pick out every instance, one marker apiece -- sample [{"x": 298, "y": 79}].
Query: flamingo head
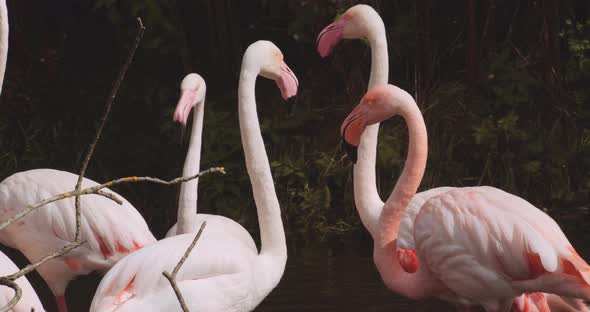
[
  {"x": 192, "y": 92},
  {"x": 356, "y": 23},
  {"x": 379, "y": 103},
  {"x": 268, "y": 59}
]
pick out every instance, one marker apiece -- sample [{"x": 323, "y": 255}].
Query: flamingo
[
  {"x": 29, "y": 300},
  {"x": 477, "y": 245},
  {"x": 362, "y": 21},
  {"x": 222, "y": 273},
  {"x": 193, "y": 90},
  {"x": 111, "y": 231}
]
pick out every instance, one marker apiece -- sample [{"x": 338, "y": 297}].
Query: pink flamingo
[
  {"x": 110, "y": 230},
  {"x": 222, "y": 273},
  {"x": 193, "y": 90},
  {"x": 29, "y": 300},
  {"x": 475, "y": 247},
  {"x": 362, "y": 21}
]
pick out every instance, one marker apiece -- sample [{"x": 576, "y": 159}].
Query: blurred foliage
[{"x": 509, "y": 129}]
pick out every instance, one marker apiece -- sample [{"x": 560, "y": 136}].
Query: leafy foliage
[{"x": 510, "y": 129}]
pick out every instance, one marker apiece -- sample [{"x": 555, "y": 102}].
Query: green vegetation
[{"x": 507, "y": 108}]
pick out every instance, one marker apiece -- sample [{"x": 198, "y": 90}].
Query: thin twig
[
  {"x": 9, "y": 280},
  {"x": 97, "y": 191},
  {"x": 18, "y": 292},
  {"x": 172, "y": 277},
  {"x": 64, "y": 250},
  {"x": 103, "y": 120}
]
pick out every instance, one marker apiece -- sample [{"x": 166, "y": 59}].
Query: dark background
[{"x": 503, "y": 86}]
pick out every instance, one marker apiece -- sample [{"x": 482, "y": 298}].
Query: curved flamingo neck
[
  {"x": 187, "y": 203},
  {"x": 366, "y": 195},
  {"x": 3, "y": 41},
  {"x": 419, "y": 284},
  {"x": 411, "y": 176},
  {"x": 272, "y": 234}
]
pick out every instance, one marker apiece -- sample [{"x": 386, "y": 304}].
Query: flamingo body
[
  {"x": 110, "y": 231},
  {"x": 490, "y": 246},
  {"x": 212, "y": 278},
  {"x": 29, "y": 299},
  {"x": 226, "y": 226}
]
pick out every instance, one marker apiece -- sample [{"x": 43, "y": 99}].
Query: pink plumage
[
  {"x": 110, "y": 230},
  {"x": 490, "y": 246}
]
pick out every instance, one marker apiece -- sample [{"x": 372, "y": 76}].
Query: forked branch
[{"x": 172, "y": 277}]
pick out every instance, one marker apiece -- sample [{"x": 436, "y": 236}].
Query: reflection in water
[{"x": 319, "y": 282}]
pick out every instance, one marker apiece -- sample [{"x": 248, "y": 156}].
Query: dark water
[{"x": 315, "y": 281}]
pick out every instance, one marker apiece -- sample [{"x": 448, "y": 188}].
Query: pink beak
[
  {"x": 330, "y": 36},
  {"x": 183, "y": 108},
  {"x": 352, "y": 129},
  {"x": 287, "y": 83}
]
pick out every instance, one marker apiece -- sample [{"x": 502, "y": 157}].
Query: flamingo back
[
  {"x": 483, "y": 243},
  {"x": 217, "y": 264},
  {"x": 110, "y": 230}
]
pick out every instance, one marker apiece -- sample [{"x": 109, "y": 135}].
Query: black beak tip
[{"x": 351, "y": 151}]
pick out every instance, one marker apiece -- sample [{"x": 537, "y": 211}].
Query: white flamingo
[
  {"x": 222, "y": 273},
  {"x": 193, "y": 90}
]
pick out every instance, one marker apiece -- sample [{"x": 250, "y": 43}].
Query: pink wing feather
[
  {"x": 485, "y": 244},
  {"x": 111, "y": 231}
]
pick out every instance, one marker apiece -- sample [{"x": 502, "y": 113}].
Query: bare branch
[
  {"x": 172, "y": 277},
  {"x": 97, "y": 191},
  {"x": 103, "y": 120},
  {"x": 64, "y": 250}
]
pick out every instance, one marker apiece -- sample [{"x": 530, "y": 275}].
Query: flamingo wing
[
  {"x": 215, "y": 264},
  {"x": 110, "y": 230},
  {"x": 405, "y": 247},
  {"x": 490, "y": 246}
]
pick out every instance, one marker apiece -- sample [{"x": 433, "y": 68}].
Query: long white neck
[
  {"x": 366, "y": 195},
  {"x": 187, "y": 203},
  {"x": 3, "y": 40},
  {"x": 272, "y": 234}
]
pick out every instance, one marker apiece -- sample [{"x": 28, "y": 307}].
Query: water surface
[{"x": 316, "y": 281}]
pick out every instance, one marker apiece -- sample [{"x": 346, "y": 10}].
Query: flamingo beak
[
  {"x": 330, "y": 36},
  {"x": 287, "y": 82},
  {"x": 352, "y": 129},
  {"x": 184, "y": 106}
]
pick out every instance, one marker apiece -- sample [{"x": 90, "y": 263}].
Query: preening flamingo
[
  {"x": 476, "y": 245},
  {"x": 222, "y": 273},
  {"x": 29, "y": 299},
  {"x": 110, "y": 230},
  {"x": 193, "y": 90},
  {"x": 362, "y": 21}
]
